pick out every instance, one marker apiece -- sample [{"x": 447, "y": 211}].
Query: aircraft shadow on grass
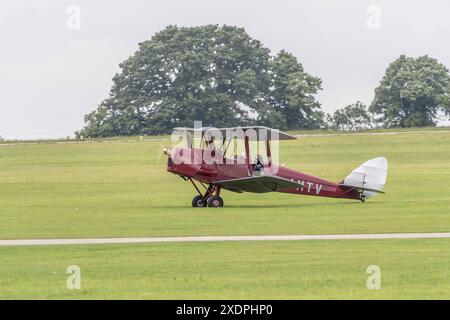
[{"x": 273, "y": 206}]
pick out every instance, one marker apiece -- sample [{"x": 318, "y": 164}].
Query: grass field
[
  {"x": 244, "y": 270},
  {"x": 120, "y": 188}
]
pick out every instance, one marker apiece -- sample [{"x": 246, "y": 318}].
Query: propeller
[{"x": 159, "y": 155}]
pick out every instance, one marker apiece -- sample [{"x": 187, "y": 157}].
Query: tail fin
[{"x": 370, "y": 177}]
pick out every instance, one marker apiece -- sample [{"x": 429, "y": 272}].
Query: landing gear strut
[{"x": 210, "y": 198}]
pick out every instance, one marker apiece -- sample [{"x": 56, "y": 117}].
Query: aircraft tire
[
  {"x": 197, "y": 201},
  {"x": 215, "y": 202}
]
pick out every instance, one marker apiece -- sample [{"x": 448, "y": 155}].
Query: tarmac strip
[{"x": 49, "y": 242}]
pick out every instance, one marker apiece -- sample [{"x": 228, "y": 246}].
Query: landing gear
[
  {"x": 198, "y": 202},
  {"x": 215, "y": 202},
  {"x": 210, "y": 198},
  {"x": 362, "y": 198}
]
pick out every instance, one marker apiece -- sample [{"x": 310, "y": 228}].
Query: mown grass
[
  {"x": 413, "y": 269},
  {"x": 121, "y": 188}
]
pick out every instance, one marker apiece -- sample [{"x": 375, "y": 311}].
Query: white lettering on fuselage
[
  {"x": 301, "y": 183},
  {"x": 318, "y": 188}
]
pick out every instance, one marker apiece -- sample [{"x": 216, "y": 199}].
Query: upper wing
[
  {"x": 260, "y": 133},
  {"x": 257, "y": 184}
]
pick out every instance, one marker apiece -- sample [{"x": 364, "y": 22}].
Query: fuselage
[{"x": 192, "y": 163}]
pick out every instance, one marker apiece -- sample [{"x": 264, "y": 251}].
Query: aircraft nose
[{"x": 181, "y": 162}]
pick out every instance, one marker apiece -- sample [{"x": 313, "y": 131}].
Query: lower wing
[{"x": 258, "y": 184}]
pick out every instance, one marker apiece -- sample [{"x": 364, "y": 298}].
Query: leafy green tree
[
  {"x": 352, "y": 118},
  {"x": 293, "y": 93},
  {"x": 216, "y": 74},
  {"x": 412, "y": 92}
]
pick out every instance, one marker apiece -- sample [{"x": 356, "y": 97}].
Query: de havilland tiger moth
[{"x": 212, "y": 165}]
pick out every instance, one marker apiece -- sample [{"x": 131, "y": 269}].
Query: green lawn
[
  {"x": 120, "y": 188},
  {"x": 415, "y": 269}
]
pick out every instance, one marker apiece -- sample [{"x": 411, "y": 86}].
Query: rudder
[{"x": 370, "y": 177}]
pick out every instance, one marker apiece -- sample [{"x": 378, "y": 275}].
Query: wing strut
[
  {"x": 247, "y": 156},
  {"x": 269, "y": 155}
]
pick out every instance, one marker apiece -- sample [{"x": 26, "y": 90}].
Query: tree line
[{"x": 223, "y": 77}]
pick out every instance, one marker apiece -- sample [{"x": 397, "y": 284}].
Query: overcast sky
[{"x": 53, "y": 73}]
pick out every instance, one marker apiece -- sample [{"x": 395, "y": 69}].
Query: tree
[
  {"x": 351, "y": 118},
  {"x": 293, "y": 93},
  {"x": 412, "y": 92},
  {"x": 216, "y": 74}
]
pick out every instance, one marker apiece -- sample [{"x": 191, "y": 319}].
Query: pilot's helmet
[{"x": 209, "y": 139}]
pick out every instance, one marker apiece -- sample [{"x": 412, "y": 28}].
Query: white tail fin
[{"x": 370, "y": 177}]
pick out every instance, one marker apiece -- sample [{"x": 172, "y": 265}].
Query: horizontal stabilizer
[{"x": 362, "y": 188}]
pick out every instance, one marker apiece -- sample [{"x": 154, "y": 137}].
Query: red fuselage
[{"x": 195, "y": 167}]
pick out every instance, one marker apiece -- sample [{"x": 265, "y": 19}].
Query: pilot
[
  {"x": 258, "y": 166},
  {"x": 209, "y": 140},
  {"x": 210, "y": 145}
]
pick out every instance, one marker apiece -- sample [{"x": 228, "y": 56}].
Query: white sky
[{"x": 52, "y": 76}]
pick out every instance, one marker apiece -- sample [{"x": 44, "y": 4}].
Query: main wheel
[
  {"x": 198, "y": 202},
  {"x": 215, "y": 202}
]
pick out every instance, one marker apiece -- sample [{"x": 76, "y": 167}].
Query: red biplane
[{"x": 215, "y": 167}]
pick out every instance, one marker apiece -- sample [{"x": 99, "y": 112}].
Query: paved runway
[{"x": 47, "y": 242}]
